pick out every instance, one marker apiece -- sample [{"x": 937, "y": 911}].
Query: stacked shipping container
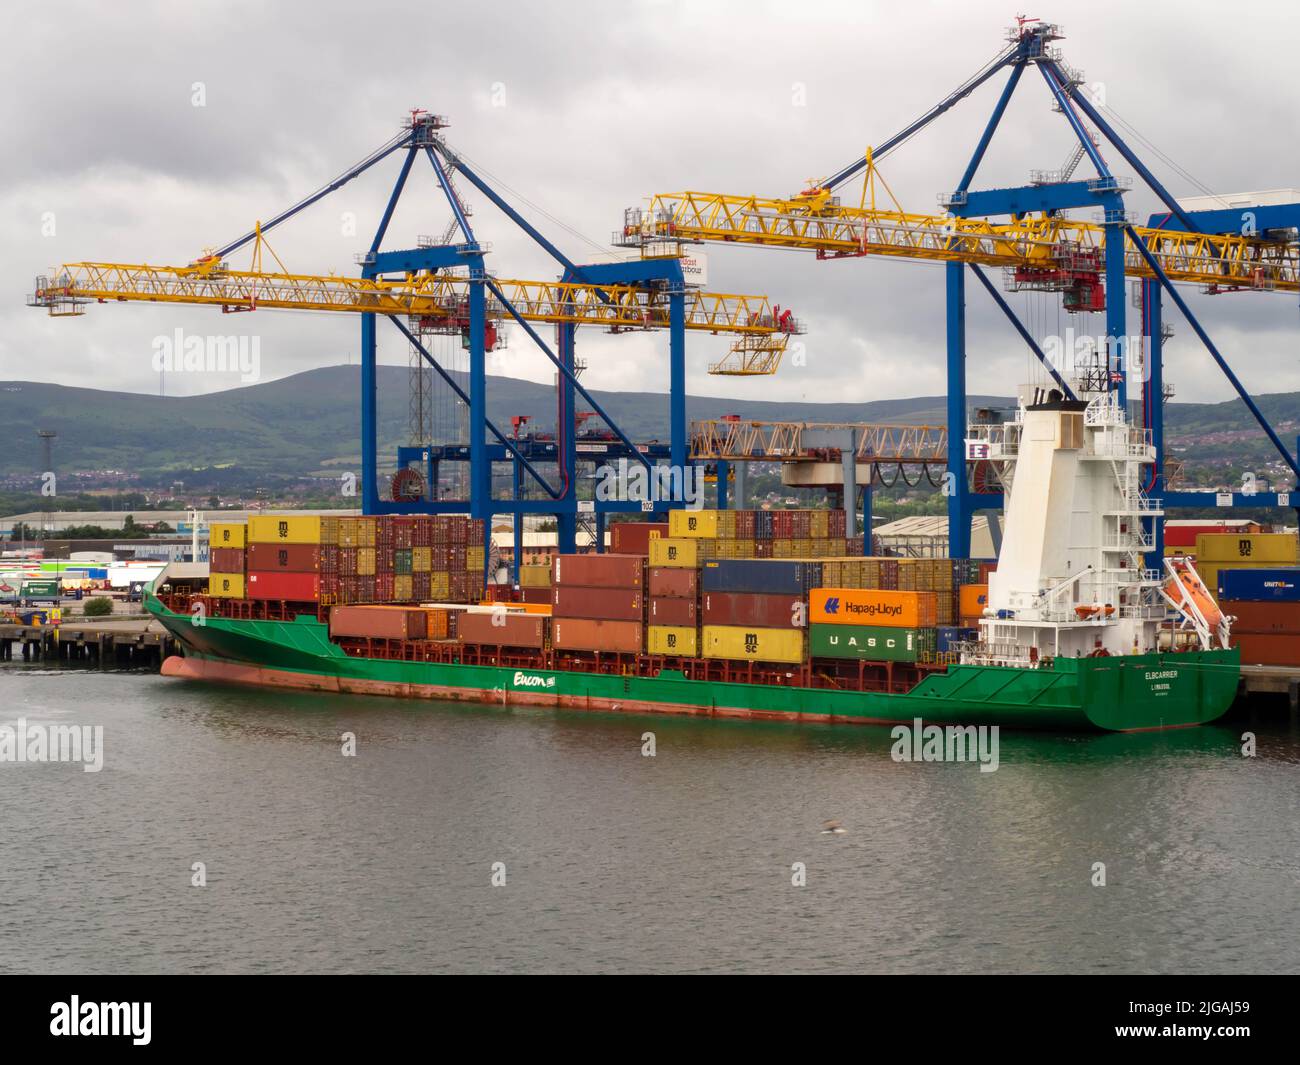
[
  {"x": 598, "y": 603},
  {"x": 1266, "y": 606}
]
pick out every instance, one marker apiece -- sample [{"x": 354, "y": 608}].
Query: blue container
[
  {"x": 97, "y": 573},
  {"x": 778, "y": 576},
  {"x": 948, "y": 636},
  {"x": 1261, "y": 585},
  {"x": 762, "y": 525}
]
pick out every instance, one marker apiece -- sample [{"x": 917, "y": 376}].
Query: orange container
[
  {"x": 872, "y": 606},
  {"x": 973, "y": 598}
]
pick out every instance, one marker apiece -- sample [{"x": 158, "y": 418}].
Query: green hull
[{"x": 1111, "y": 694}]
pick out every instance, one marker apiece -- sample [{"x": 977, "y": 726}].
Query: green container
[
  {"x": 872, "y": 643},
  {"x": 402, "y": 560},
  {"x": 42, "y": 589}
]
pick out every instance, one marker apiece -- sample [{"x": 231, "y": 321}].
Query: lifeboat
[
  {"x": 1195, "y": 591},
  {"x": 1084, "y": 611}
]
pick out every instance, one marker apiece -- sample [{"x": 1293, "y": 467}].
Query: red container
[
  {"x": 836, "y": 525},
  {"x": 667, "y": 583},
  {"x": 535, "y": 595},
  {"x": 441, "y": 557},
  {"x": 758, "y": 611},
  {"x": 633, "y": 537},
  {"x": 672, "y": 612},
  {"x": 583, "y": 634},
  {"x": 383, "y": 588},
  {"x": 599, "y": 571},
  {"x": 226, "y": 560},
  {"x": 501, "y": 629},
  {"x": 284, "y": 558},
  {"x": 379, "y": 622},
  {"x": 612, "y": 604},
  {"x": 296, "y": 587},
  {"x": 1270, "y": 617},
  {"x": 1268, "y": 648}
]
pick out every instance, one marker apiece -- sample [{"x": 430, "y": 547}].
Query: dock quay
[{"x": 134, "y": 641}]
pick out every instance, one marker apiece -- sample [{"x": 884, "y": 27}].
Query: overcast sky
[{"x": 585, "y": 109}]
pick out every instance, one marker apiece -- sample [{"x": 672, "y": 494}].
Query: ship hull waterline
[{"x": 1116, "y": 694}]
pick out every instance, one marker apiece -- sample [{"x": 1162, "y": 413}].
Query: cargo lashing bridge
[{"x": 809, "y": 453}]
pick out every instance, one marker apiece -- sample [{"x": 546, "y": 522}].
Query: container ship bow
[{"x": 1075, "y": 634}]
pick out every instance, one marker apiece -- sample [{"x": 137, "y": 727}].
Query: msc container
[
  {"x": 535, "y": 576},
  {"x": 586, "y": 634},
  {"x": 284, "y": 529},
  {"x": 379, "y": 622},
  {"x": 500, "y": 629},
  {"x": 299, "y": 587},
  {"x": 226, "y": 560},
  {"x": 752, "y": 644},
  {"x": 664, "y": 582},
  {"x": 633, "y": 537},
  {"x": 672, "y": 611},
  {"x": 673, "y": 640},
  {"x": 227, "y": 534},
  {"x": 1275, "y": 548},
  {"x": 599, "y": 571},
  {"x": 793, "y": 577},
  {"x": 1258, "y": 585},
  {"x": 1275, "y": 616},
  {"x": 693, "y": 524},
  {"x": 287, "y": 557},
  {"x": 226, "y": 585},
  {"x": 612, "y": 604},
  {"x": 1268, "y": 649},
  {"x": 747, "y": 608},
  {"x": 872, "y": 606},
  {"x": 870, "y": 642},
  {"x": 972, "y": 599},
  {"x": 671, "y": 552}
]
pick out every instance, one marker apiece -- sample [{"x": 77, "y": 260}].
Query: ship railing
[{"x": 1130, "y": 541}]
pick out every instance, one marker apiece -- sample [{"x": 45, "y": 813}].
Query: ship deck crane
[{"x": 1025, "y": 231}]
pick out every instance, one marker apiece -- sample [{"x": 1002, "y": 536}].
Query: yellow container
[
  {"x": 475, "y": 558},
  {"x": 871, "y": 606},
  {"x": 366, "y": 561},
  {"x": 284, "y": 529},
  {"x": 679, "y": 553},
  {"x": 672, "y": 640},
  {"x": 329, "y": 531},
  {"x": 819, "y": 524},
  {"x": 744, "y": 644},
  {"x": 403, "y": 587},
  {"x": 356, "y": 532},
  {"x": 226, "y": 585},
  {"x": 535, "y": 576},
  {"x": 693, "y": 524},
  {"x": 227, "y": 534},
  {"x": 440, "y": 587},
  {"x": 421, "y": 559},
  {"x": 1271, "y": 548}
]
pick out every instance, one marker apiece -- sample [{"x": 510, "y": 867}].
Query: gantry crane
[
  {"x": 1024, "y": 231},
  {"x": 447, "y": 288}
]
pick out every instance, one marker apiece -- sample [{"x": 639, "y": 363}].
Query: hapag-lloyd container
[
  {"x": 500, "y": 629},
  {"x": 672, "y": 611},
  {"x": 610, "y": 604},
  {"x": 793, "y": 577},
  {"x": 289, "y": 558},
  {"x": 747, "y": 608},
  {"x": 665, "y": 583},
  {"x": 297, "y": 587},
  {"x": 584, "y": 634},
  {"x": 872, "y": 606},
  {"x": 379, "y": 622},
  {"x": 1260, "y": 585},
  {"x": 599, "y": 571}
]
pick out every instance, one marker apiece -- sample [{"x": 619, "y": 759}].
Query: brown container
[
  {"x": 758, "y": 611},
  {"x": 379, "y": 622},
  {"x": 672, "y": 611},
  {"x": 502, "y": 630},
  {"x": 1268, "y": 648},
  {"x": 675, "y": 583},
  {"x": 1274, "y": 617},
  {"x": 535, "y": 595},
  {"x": 284, "y": 558},
  {"x": 599, "y": 571},
  {"x": 583, "y": 634},
  {"x": 633, "y": 537},
  {"x": 610, "y": 604},
  {"x": 226, "y": 560}
]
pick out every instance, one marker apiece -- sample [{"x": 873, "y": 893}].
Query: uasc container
[{"x": 870, "y": 642}]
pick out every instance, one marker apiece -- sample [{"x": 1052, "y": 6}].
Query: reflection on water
[{"x": 615, "y": 861}]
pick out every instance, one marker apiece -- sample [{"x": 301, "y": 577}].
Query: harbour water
[{"x": 614, "y": 861}]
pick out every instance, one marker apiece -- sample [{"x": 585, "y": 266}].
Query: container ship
[{"x": 758, "y": 614}]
